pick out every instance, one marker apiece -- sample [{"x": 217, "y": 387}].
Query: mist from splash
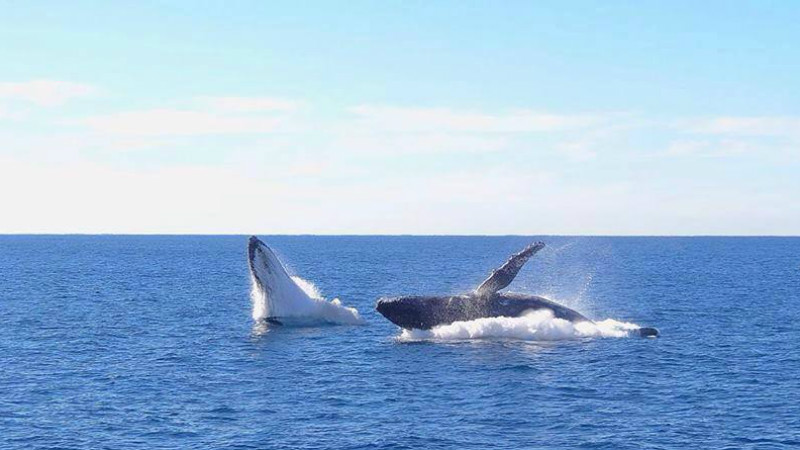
[
  {"x": 560, "y": 277},
  {"x": 538, "y": 325}
]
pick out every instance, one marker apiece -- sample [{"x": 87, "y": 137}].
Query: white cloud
[
  {"x": 387, "y": 118},
  {"x": 180, "y": 122},
  {"x": 777, "y": 136},
  {"x": 248, "y": 104},
  {"x": 418, "y": 143},
  {"x": 44, "y": 92},
  {"x": 579, "y": 150},
  {"x": 718, "y": 148},
  {"x": 747, "y": 126},
  {"x": 339, "y": 175},
  {"x": 203, "y": 116},
  {"x": 89, "y": 197},
  {"x": 96, "y": 198}
]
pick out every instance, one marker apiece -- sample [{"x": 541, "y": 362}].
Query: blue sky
[{"x": 400, "y": 117}]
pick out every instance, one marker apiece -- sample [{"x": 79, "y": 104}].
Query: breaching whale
[
  {"x": 426, "y": 312},
  {"x": 281, "y": 299}
]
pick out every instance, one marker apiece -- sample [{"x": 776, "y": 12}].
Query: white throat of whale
[{"x": 290, "y": 300}]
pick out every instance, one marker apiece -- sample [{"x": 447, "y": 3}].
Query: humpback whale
[
  {"x": 281, "y": 299},
  {"x": 425, "y": 312}
]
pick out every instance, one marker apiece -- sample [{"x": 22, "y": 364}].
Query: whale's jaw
[
  {"x": 649, "y": 332},
  {"x": 263, "y": 265},
  {"x": 274, "y": 293},
  {"x": 405, "y": 313},
  {"x": 281, "y": 299},
  {"x": 252, "y": 248}
]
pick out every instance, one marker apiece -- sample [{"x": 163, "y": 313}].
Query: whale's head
[
  {"x": 268, "y": 274},
  {"x": 408, "y": 312},
  {"x": 262, "y": 263}
]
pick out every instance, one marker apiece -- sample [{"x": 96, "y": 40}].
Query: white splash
[
  {"x": 309, "y": 309},
  {"x": 291, "y": 299},
  {"x": 537, "y": 325}
]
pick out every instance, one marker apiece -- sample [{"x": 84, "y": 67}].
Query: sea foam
[{"x": 537, "y": 325}]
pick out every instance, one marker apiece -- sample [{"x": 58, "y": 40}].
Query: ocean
[{"x": 148, "y": 342}]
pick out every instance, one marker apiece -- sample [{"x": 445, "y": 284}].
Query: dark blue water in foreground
[{"x": 147, "y": 343}]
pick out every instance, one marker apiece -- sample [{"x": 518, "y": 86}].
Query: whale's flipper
[{"x": 504, "y": 275}]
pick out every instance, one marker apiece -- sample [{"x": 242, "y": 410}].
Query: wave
[{"x": 538, "y": 325}]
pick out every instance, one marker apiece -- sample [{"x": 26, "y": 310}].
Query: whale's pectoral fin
[{"x": 504, "y": 275}]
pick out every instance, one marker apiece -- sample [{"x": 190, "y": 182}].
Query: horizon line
[{"x": 414, "y": 235}]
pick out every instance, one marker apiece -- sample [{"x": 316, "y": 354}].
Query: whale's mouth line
[{"x": 253, "y": 247}]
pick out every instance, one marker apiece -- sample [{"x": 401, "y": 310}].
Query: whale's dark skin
[{"x": 425, "y": 312}]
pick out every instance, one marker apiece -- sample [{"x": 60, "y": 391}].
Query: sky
[{"x": 390, "y": 117}]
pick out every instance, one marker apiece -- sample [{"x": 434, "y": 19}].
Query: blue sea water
[{"x": 146, "y": 342}]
